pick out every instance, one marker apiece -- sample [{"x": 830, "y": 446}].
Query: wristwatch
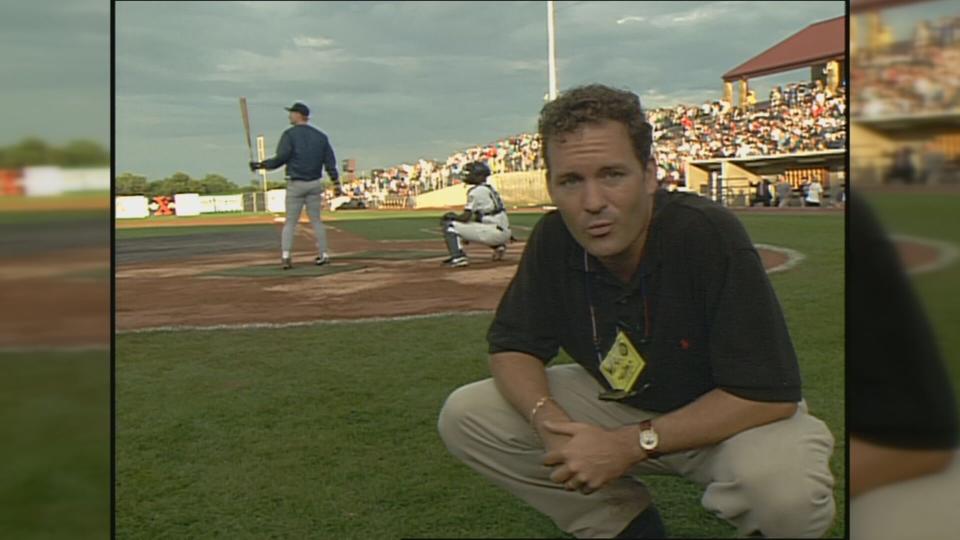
[{"x": 649, "y": 440}]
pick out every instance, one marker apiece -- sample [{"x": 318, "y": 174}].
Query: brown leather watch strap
[{"x": 651, "y": 454}]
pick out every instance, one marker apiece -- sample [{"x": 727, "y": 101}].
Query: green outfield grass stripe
[
  {"x": 298, "y": 324},
  {"x": 53, "y": 216}
]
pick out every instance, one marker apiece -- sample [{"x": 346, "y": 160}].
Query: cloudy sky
[
  {"x": 393, "y": 82},
  {"x": 55, "y": 65}
]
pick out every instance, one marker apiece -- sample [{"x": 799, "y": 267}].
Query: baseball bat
[{"x": 246, "y": 124}]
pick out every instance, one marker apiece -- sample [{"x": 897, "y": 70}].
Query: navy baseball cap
[{"x": 300, "y": 108}]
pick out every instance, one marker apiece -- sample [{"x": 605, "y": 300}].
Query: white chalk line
[
  {"x": 794, "y": 257},
  {"x": 947, "y": 253},
  {"x": 296, "y": 324}
]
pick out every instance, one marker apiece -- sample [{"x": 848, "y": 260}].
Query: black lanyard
[
  {"x": 614, "y": 395},
  {"x": 593, "y": 312}
]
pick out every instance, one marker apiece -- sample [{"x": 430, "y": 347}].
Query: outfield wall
[
  {"x": 527, "y": 188},
  {"x": 194, "y": 204},
  {"x": 455, "y": 195},
  {"x": 51, "y": 180}
]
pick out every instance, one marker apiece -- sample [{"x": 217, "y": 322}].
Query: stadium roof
[
  {"x": 857, "y": 6},
  {"x": 834, "y": 160},
  {"x": 819, "y": 42}
]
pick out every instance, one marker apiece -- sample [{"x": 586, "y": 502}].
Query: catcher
[{"x": 483, "y": 220}]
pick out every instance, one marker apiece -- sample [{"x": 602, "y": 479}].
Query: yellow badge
[{"x": 623, "y": 364}]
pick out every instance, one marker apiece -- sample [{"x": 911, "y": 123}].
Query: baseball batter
[
  {"x": 483, "y": 220},
  {"x": 306, "y": 151}
]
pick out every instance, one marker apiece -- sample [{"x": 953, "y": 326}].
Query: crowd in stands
[
  {"x": 917, "y": 76},
  {"x": 515, "y": 153},
  {"x": 799, "y": 117}
]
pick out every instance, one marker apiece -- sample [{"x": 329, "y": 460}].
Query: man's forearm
[
  {"x": 712, "y": 418},
  {"x": 522, "y": 381},
  {"x": 873, "y": 465}
]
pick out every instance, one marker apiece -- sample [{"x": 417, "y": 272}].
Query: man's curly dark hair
[{"x": 594, "y": 103}]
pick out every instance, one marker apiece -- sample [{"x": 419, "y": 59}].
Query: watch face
[{"x": 648, "y": 439}]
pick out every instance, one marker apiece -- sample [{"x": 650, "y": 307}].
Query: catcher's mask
[{"x": 475, "y": 172}]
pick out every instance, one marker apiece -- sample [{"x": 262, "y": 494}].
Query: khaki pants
[
  {"x": 774, "y": 478},
  {"x": 923, "y": 508}
]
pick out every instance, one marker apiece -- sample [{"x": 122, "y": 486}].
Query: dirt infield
[
  {"x": 55, "y": 279},
  {"x": 195, "y": 289},
  {"x": 916, "y": 255},
  {"x": 56, "y": 203},
  {"x": 56, "y": 299},
  {"x": 60, "y": 295}
]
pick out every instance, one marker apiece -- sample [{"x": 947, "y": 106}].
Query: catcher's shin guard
[{"x": 454, "y": 246}]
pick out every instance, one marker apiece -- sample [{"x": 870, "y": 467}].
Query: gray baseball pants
[{"x": 299, "y": 194}]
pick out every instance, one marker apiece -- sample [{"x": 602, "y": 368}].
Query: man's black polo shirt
[
  {"x": 900, "y": 389},
  {"x": 714, "y": 320}
]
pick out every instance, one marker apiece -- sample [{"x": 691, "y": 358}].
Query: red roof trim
[{"x": 819, "y": 42}]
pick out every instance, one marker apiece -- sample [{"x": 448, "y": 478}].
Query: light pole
[{"x": 551, "y": 50}]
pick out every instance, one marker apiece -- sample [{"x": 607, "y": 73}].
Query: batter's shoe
[
  {"x": 498, "y": 252},
  {"x": 286, "y": 263},
  {"x": 322, "y": 260},
  {"x": 457, "y": 262}
]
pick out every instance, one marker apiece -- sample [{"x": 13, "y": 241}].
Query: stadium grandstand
[
  {"x": 718, "y": 148},
  {"x": 905, "y": 110}
]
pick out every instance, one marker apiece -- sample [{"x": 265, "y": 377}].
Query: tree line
[
  {"x": 35, "y": 152},
  {"x": 211, "y": 184},
  {"x": 32, "y": 152}
]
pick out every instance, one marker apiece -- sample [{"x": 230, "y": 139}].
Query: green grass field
[
  {"x": 329, "y": 431},
  {"x": 52, "y": 217},
  {"x": 931, "y": 216},
  {"x": 55, "y": 455}
]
